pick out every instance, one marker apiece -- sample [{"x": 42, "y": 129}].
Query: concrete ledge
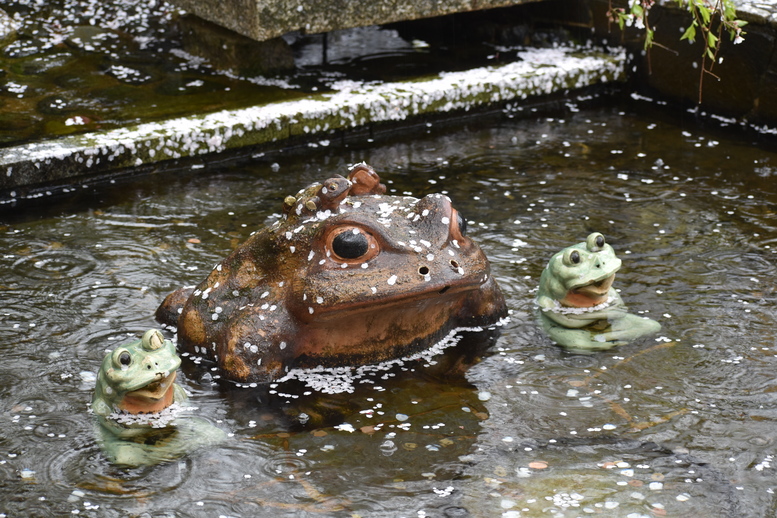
[
  {"x": 265, "y": 19},
  {"x": 539, "y": 72}
]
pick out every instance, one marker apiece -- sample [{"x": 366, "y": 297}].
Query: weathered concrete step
[
  {"x": 265, "y": 19},
  {"x": 538, "y": 72}
]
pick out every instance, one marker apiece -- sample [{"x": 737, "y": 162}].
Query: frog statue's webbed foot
[{"x": 630, "y": 327}]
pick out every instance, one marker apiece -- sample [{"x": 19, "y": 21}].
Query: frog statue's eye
[
  {"x": 572, "y": 257},
  {"x": 462, "y": 223},
  {"x": 352, "y": 243},
  {"x": 595, "y": 242},
  {"x": 122, "y": 358}
]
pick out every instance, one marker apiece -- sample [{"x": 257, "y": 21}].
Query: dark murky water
[{"x": 679, "y": 425}]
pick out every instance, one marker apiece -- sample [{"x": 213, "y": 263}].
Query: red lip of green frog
[
  {"x": 349, "y": 276},
  {"x": 579, "y": 308}
]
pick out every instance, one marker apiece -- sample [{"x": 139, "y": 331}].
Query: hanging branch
[{"x": 710, "y": 18}]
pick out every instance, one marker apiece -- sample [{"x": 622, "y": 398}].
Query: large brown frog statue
[{"x": 347, "y": 277}]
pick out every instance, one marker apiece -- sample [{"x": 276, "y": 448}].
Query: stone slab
[
  {"x": 266, "y": 19},
  {"x": 24, "y": 168}
]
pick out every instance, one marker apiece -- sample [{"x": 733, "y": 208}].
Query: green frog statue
[
  {"x": 578, "y": 307},
  {"x": 140, "y": 409}
]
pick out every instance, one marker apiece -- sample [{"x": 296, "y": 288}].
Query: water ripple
[{"x": 55, "y": 264}]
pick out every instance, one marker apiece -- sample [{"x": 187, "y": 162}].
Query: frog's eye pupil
[
  {"x": 574, "y": 257},
  {"x": 125, "y": 358},
  {"x": 462, "y": 223},
  {"x": 350, "y": 244},
  {"x": 600, "y": 241}
]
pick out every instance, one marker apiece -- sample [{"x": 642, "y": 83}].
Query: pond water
[{"x": 681, "y": 424}]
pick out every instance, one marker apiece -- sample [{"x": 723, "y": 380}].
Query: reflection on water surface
[{"x": 680, "y": 425}]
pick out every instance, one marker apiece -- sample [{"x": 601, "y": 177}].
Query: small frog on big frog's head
[
  {"x": 349, "y": 276},
  {"x": 579, "y": 308},
  {"x": 137, "y": 404}
]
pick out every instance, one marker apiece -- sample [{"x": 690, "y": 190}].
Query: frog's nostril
[{"x": 424, "y": 270}]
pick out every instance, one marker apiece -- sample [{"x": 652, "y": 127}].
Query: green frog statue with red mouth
[
  {"x": 578, "y": 307},
  {"x": 141, "y": 411}
]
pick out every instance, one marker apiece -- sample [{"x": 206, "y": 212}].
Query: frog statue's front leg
[
  {"x": 580, "y": 339},
  {"x": 169, "y": 311},
  {"x": 584, "y": 329},
  {"x": 598, "y": 330},
  {"x": 627, "y": 327}
]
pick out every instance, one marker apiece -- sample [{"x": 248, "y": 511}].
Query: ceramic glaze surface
[
  {"x": 578, "y": 306},
  {"x": 138, "y": 378},
  {"x": 139, "y": 407},
  {"x": 348, "y": 276}
]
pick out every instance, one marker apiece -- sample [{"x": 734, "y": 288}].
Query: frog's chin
[
  {"x": 154, "y": 397},
  {"x": 589, "y": 295}
]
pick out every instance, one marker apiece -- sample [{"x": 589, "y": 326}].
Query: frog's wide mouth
[
  {"x": 458, "y": 288},
  {"x": 596, "y": 288},
  {"x": 154, "y": 397},
  {"x": 590, "y": 294}
]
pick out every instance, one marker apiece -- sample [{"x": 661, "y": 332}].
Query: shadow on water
[
  {"x": 680, "y": 424},
  {"x": 360, "y": 397}
]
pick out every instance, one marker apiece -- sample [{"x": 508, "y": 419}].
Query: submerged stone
[{"x": 537, "y": 72}]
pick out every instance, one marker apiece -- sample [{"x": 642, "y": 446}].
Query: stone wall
[
  {"x": 744, "y": 83},
  {"x": 266, "y": 19}
]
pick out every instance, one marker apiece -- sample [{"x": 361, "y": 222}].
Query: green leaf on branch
[
  {"x": 648, "y": 38},
  {"x": 705, "y": 13},
  {"x": 690, "y": 33}
]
